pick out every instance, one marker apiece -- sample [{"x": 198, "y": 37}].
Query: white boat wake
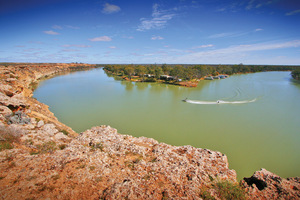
[{"x": 218, "y": 102}]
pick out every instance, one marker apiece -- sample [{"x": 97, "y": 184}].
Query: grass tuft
[{"x": 223, "y": 190}]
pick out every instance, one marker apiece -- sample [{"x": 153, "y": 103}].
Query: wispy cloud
[
  {"x": 236, "y": 6},
  {"x": 101, "y": 39},
  {"x": 72, "y": 27},
  {"x": 203, "y": 46},
  {"x": 50, "y": 32},
  {"x": 157, "y": 38},
  {"x": 77, "y": 45},
  {"x": 70, "y": 50},
  {"x": 159, "y": 19},
  {"x": 56, "y": 27},
  {"x": 233, "y": 34},
  {"x": 293, "y": 12},
  {"x": 112, "y": 47},
  {"x": 110, "y": 8},
  {"x": 258, "y": 3},
  {"x": 232, "y": 50},
  {"x": 128, "y": 37},
  {"x": 227, "y": 34}
]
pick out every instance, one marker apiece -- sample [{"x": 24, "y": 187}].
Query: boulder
[{"x": 266, "y": 185}]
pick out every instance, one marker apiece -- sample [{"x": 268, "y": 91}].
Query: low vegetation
[
  {"x": 47, "y": 147},
  {"x": 296, "y": 74},
  {"x": 8, "y": 137},
  {"x": 224, "y": 190},
  {"x": 173, "y": 74}
]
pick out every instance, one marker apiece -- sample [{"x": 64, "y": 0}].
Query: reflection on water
[{"x": 260, "y": 134}]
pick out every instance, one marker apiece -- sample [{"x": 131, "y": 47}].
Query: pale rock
[
  {"x": 61, "y": 137},
  {"x": 40, "y": 123},
  {"x": 267, "y": 185},
  {"x": 5, "y": 110},
  {"x": 17, "y": 130},
  {"x": 48, "y": 129}
]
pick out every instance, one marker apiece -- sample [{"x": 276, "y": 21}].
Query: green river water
[{"x": 256, "y": 124}]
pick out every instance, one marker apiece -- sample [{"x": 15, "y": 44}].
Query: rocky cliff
[{"x": 41, "y": 158}]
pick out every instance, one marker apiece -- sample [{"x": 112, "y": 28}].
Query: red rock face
[
  {"x": 46, "y": 159},
  {"x": 266, "y": 185}
]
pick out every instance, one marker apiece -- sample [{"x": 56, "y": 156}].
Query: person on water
[{"x": 218, "y": 101}]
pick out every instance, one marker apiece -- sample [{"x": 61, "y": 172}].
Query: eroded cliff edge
[{"x": 42, "y": 158}]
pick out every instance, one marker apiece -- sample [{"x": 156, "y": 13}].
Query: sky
[{"x": 151, "y": 31}]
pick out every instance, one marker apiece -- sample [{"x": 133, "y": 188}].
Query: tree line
[
  {"x": 189, "y": 72},
  {"x": 296, "y": 74}
]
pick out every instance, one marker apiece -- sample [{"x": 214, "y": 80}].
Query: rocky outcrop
[
  {"x": 41, "y": 158},
  {"x": 266, "y": 185},
  {"x": 100, "y": 163}
]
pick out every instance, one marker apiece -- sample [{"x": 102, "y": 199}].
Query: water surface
[{"x": 261, "y": 133}]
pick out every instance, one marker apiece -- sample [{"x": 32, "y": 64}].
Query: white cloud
[
  {"x": 128, "y": 37},
  {"x": 293, "y": 12},
  {"x": 159, "y": 19},
  {"x": 157, "y": 38},
  {"x": 203, "y": 46},
  {"x": 72, "y": 27},
  {"x": 101, "y": 39},
  {"x": 112, "y": 47},
  {"x": 228, "y": 34},
  {"x": 258, "y": 29},
  {"x": 110, "y": 8},
  {"x": 56, "y": 27},
  {"x": 70, "y": 50},
  {"x": 258, "y": 3},
  {"x": 77, "y": 45},
  {"x": 233, "y": 50},
  {"x": 50, "y": 32}
]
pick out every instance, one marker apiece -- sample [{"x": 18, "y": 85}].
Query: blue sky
[{"x": 146, "y": 31}]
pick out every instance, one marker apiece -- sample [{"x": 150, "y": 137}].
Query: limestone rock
[
  {"x": 4, "y": 111},
  {"x": 18, "y": 118},
  {"x": 266, "y": 185},
  {"x": 48, "y": 129},
  {"x": 61, "y": 137},
  {"x": 40, "y": 123}
]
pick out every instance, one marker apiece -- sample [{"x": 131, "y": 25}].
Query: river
[{"x": 256, "y": 122}]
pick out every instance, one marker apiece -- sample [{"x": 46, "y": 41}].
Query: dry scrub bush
[{"x": 8, "y": 136}]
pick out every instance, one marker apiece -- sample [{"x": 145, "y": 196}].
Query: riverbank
[{"x": 47, "y": 159}]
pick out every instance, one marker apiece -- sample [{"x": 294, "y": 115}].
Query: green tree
[
  {"x": 296, "y": 74},
  {"x": 166, "y": 69},
  {"x": 177, "y": 71},
  {"x": 158, "y": 72},
  {"x": 141, "y": 71},
  {"x": 151, "y": 69},
  {"x": 129, "y": 71}
]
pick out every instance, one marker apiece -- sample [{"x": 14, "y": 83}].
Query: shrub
[
  {"x": 47, "y": 147},
  {"x": 5, "y": 145},
  {"x": 62, "y": 146},
  {"x": 296, "y": 74},
  {"x": 224, "y": 190},
  {"x": 229, "y": 190},
  {"x": 98, "y": 145},
  {"x": 65, "y": 132},
  {"x": 8, "y": 137}
]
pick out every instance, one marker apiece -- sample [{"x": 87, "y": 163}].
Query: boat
[
  {"x": 209, "y": 78},
  {"x": 184, "y": 100}
]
